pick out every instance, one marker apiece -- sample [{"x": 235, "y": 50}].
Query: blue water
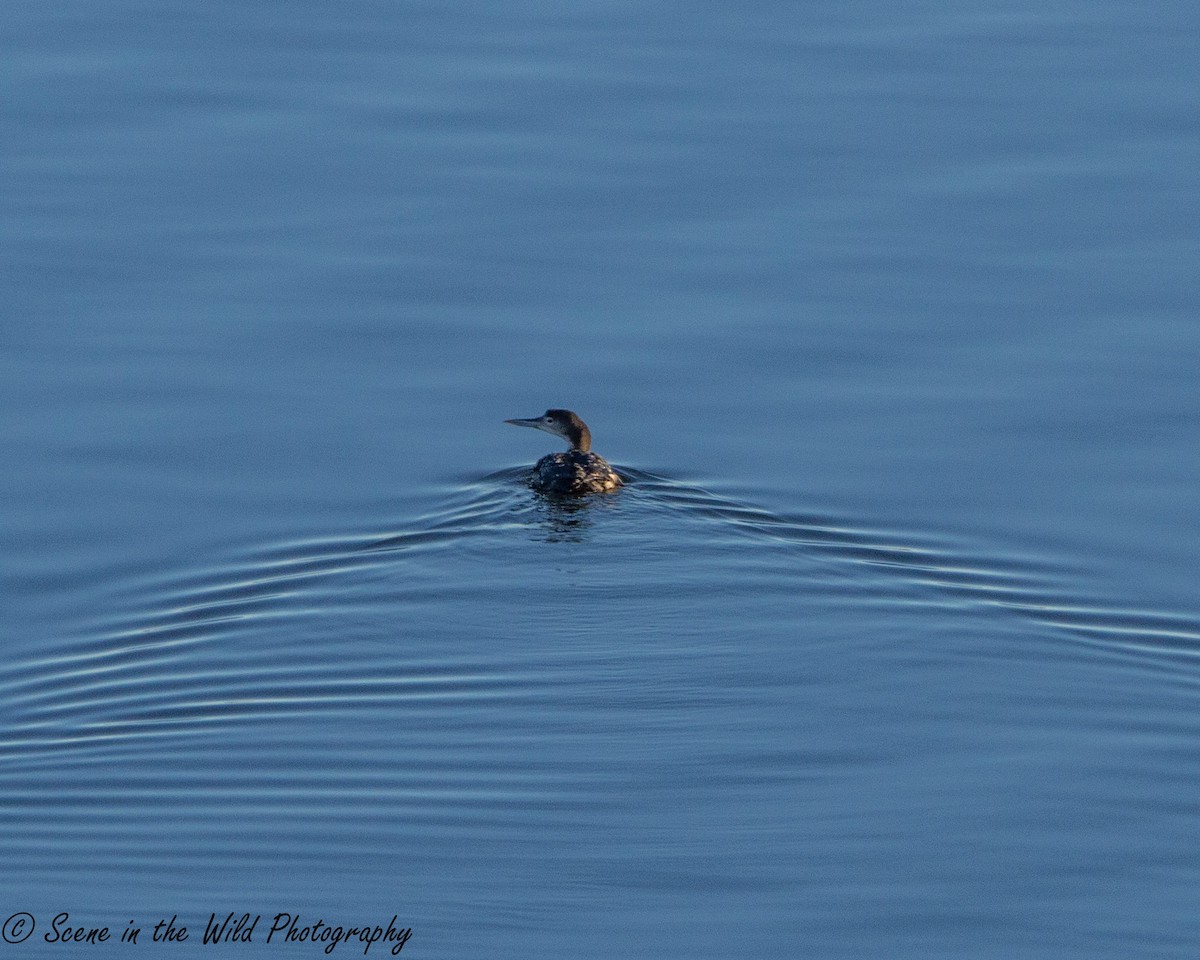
[{"x": 890, "y": 646}]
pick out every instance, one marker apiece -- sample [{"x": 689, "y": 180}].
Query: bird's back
[{"x": 574, "y": 471}]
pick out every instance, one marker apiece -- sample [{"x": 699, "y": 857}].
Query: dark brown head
[{"x": 561, "y": 423}]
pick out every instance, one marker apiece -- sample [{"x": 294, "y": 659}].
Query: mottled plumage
[
  {"x": 578, "y": 470},
  {"x": 575, "y": 471}
]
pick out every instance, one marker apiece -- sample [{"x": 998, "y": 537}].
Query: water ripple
[
  {"x": 1029, "y": 587},
  {"x": 186, "y": 661}
]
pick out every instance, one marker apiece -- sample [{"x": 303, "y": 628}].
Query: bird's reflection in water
[
  {"x": 563, "y": 519},
  {"x": 570, "y": 519}
]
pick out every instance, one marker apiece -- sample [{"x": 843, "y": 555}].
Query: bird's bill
[{"x": 535, "y": 422}]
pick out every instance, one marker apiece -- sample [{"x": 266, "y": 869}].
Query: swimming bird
[{"x": 576, "y": 471}]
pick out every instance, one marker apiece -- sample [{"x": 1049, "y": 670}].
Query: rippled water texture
[{"x": 887, "y": 648}]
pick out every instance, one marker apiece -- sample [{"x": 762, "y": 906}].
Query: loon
[{"x": 576, "y": 471}]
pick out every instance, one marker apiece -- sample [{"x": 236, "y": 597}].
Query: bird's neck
[{"x": 581, "y": 439}]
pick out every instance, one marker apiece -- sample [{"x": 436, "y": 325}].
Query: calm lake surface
[{"x": 890, "y": 647}]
